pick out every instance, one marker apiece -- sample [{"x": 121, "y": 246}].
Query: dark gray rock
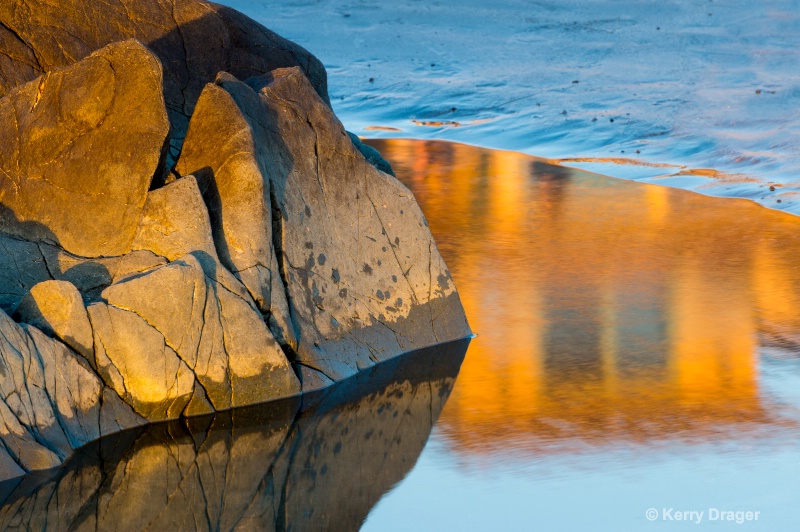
[
  {"x": 79, "y": 148},
  {"x": 372, "y": 155},
  {"x": 22, "y": 266}
]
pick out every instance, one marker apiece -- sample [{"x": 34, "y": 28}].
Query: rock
[
  {"x": 193, "y": 39},
  {"x": 84, "y": 139},
  {"x": 175, "y": 222},
  {"x": 176, "y": 335},
  {"x": 271, "y": 468},
  {"x": 220, "y": 150},
  {"x": 56, "y": 308},
  {"x": 22, "y": 266},
  {"x": 372, "y": 155},
  {"x": 52, "y": 401},
  {"x": 133, "y": 359},
  {"x": 273, "y": 258},
  {"x": 364, "y": 279}
]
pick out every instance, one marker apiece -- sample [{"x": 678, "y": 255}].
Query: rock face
[
  {"x": 88, "y": 139},
  {"x": 363, "y": 278},
  {"x": 52, "y": 401},
  {"x": 272, "y": 258},
  {"x": 56, "y": 308},
  {"x": 193, "y": 39}
]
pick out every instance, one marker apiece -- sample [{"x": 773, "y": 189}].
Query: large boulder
[
  {"x": 194, "y": 40},
  {"x": 363, "y": 278},
  {"x": 85, "y": 140},
  {"x": 271, "y": 259}
]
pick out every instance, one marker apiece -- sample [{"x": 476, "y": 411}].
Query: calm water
[{"x": 637, "y": 348}]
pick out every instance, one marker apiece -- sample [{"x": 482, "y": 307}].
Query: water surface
[{"x": 637, "y": 348}]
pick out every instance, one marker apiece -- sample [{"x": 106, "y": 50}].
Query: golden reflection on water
[{"x": 607, "y": 311}]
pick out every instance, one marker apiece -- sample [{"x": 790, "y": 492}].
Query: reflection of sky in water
[{"x": 637, "y": 347}]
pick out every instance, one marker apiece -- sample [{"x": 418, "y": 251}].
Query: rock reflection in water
[
  {"x": 322, "y": 464},
  {"x": 608, "y": 312}
]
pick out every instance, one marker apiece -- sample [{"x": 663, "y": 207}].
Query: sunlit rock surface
[
  {"x": 56, "y": 308},
  {"x": 84, "y": 139},
  {"x": 321, "y": 464},
  {"x": 193, "y": 39},
  {"x": 271, "y": 258}
]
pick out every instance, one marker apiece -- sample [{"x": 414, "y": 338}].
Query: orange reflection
[{"x": 607, "y": 310}]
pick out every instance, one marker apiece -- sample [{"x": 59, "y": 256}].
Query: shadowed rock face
[
  {"x": 193, "y": 39},
  {"x": 282, "y": 466},
  {"x": 273, "y": 259}
]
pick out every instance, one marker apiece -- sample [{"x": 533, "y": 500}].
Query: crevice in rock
[
  {"x": 277, "y": 245},
  {"x": 28, "y": 46}
]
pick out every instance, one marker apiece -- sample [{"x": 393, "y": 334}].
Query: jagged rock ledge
[{"x": 186, "y": 227}]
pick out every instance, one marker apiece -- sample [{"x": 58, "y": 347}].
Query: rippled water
[
  {"x": 637, "y": 348},
  {"x": 707, "y": 91}
]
